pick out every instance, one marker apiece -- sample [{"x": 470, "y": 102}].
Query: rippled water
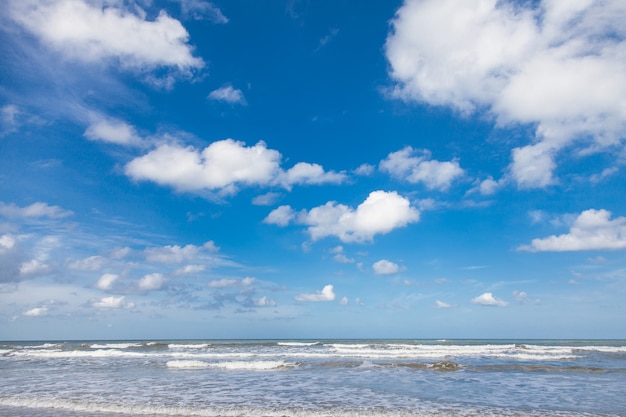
[{"x": 313, "y": 378}]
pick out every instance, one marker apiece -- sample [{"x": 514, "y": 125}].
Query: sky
[{"x": 312, "y": 169}]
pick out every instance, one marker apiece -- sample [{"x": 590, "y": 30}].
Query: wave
[
  {"x": 235, "y": 365},
  {"x": 299, "y": 344},
  {"x": 179, "y": 346},
  {"x": 116, "y": 345}
]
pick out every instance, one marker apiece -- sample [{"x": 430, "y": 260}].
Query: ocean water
[{"x": 313, "y": 378}]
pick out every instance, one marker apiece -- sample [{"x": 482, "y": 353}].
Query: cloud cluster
[
  {"x": 223, "y": 165},
  {"x": 380, "y": 213},
  {"x": 591, "y": 230},
  {"x": 105, "y": 31},
  {"x": 559, "y": 66}
]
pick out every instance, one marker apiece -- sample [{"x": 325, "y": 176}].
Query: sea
[{"x": 263, "y": 378}]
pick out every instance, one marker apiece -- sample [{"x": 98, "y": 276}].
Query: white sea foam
[
  {"x": 115, "y": 346},
  {"x": 232, "y": 365},
  {"x": 177, "y": 346},
  {"x": 57, "y": 353},
  {"x": 187, "y": 364},
  {"x": 298, "y": 344}
]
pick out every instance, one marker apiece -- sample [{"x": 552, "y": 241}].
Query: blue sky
[{"x": 300, "y": 169}]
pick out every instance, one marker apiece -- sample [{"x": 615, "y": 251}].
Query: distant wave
[
  {"x": 235, "y": 365},
  {"x": 299, "y": 344}
]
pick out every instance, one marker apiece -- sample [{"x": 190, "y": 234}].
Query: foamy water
[{"x": 313, "y": 378}]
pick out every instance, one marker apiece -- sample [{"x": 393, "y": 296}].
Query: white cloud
[
  {"x": 36, "y": 312},
  {"x": 380, "y": 213},
  {"x": 173, "y": 254},
  {"x": 280, "y": 216},
  {"x": 266, "y": 199},
  {"x": 9, "y": 119},
  {"x": 7, "y": 242},
  {"x": 231, "y": 282},
  {"x": 106, "y": 281},
  {"x": 33, "y": 267},
  {"x": 113, "y": 131},
  {"x": 190, "y": 269},
  {"x": 265, "y": 302},
  {"x": 442, "y": 304},
  {"x": 385, "y": 267},
  {"x": 365, "y": 170},
  {"x": 559, "y": 67},
  {"x": 151, "y": 282},
  {"x": 112, "y": 303},
  {"x": 305, "y": 173},
  {"x": 488, "y": 186},
  {"x": 228, "y": 94},
  {"x": 416, "y": 167},
  {"x": 92, "y": 263},
  {"x": 327, "y": 294},
  {"x": 224, "y": 165},
  {"x": 202, "y": 10},
  {"x": 487, "y": 299},
  {"x": 340, "y": 256},
  {"x": 35, "y": 210},
  {"x": 92, "y": 32},
  {"x": 591, "y": 230}
]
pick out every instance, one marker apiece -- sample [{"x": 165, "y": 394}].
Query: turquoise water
[{"x": 313, "y": 378}]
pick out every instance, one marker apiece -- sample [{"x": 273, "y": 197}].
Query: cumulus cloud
[
  {"x": 151, "y": 282},
  {"x": 113, "y": 131},
  {"x": 380, "y": 213},
  {"x": 385, "y": 267},
  {"x": 327, "y": 294},
  {"x": 487, "y": 299},
  {"x": 91, "y": 32},
  {"x": 280, "y": 216},
  {"x": 106, "y": 281},
  {"x": 555, "y": 65},
  {"x": 228, "y": 94},
  {"x": 442, "y": 304},
  {"x": 36, "y": 312},
  {"x": 417, "y": 167},
  {"x": 35, "y": 210},
  {"x": 223, "y": 165},
  {"x": 34, "y": 267},
  {"x": 591, "y": 230}
]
